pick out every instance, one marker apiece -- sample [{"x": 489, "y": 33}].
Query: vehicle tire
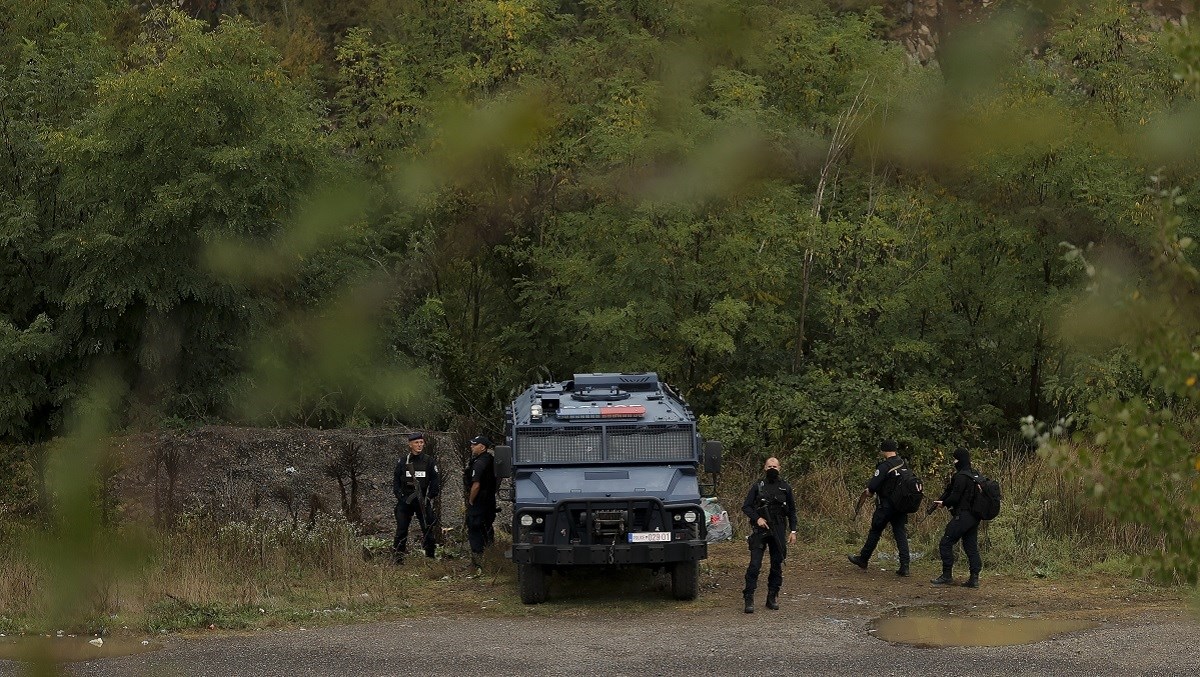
[
  {"x": 685, "y": 580},
  {"x": 531, "y": 581}
]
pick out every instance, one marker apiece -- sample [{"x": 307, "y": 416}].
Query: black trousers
[
  {"x": 489, "y": 534},
  {"x": 428, "y": 520},
  {"x": 760, "y": 541},
  {"x": 884, "y": 515},
  {"x": 965, "y": 527},
  {"x": 480, "y": 529}
]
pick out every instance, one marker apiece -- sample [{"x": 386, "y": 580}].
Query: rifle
[
  {"x": 425, "y": 524},
  {"x": 764, "y": 506},
  {"x": 928, "y": 511},
  {"x": 862, "y": 498}
]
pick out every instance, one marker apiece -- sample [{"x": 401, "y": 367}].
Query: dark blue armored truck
[{"x": 605, "y": 472}]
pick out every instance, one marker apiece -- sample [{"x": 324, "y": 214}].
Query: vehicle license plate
[{"x": 650, "y": 537}]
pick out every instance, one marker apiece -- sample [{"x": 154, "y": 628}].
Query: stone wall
[{"x": 227, "y": 473}]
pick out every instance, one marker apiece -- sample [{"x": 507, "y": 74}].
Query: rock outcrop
[{"x": 923, "y": 25}]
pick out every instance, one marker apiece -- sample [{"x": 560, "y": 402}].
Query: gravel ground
[
  {"x": 627, "y": 624},
  {"x": 721, "y": 642}
]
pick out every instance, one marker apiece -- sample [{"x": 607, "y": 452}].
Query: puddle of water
[
  {"x": 69, "y": 649},
  {"x": 937, "y": 627}
]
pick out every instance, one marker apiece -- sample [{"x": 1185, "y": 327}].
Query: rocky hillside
[
  {"x": 228, "y": 473},
  {"x": 922, "y": 25}
]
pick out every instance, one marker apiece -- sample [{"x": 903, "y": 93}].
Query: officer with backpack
[
  {"x": 960, "y": 496},
  {"x": 890, "y": 506},
  {"x": 771, "y": 506},
  {"x": 479, "y": 493}
]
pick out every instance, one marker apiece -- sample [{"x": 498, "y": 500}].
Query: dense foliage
[{"x": 331, "y": 213}]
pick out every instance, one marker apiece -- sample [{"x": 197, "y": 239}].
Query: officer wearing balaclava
[
  {"x": 959, "y": 496},
  {"x": 771, "y": 507}
]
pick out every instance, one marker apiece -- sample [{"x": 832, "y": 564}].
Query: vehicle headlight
[
  {"x": 689, "y": 516},
  {"x": 677, "y": 517},
  {"x": 538, "y": 520},
  {"x": 526, "y": 520}
]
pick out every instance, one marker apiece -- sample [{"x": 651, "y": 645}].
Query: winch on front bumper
[{"x": 609, "y": 531}]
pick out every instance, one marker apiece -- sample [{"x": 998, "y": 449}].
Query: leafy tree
[
  {"x": 768, "y": 203},
  {"x": 1141, "y": 323},
  {"x": 201, "y": 139},
  {"x": 1138, "y": 451},
  {"x": 46, "y": 84}
]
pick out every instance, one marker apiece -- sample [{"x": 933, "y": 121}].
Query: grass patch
[
  {"x": 1048, "y": 524},
  {"x": 1119, "y": 565},
  {"x": 280, "y": 573}
]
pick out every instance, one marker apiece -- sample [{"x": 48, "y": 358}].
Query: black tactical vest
[
  {"x": 772, "y": 502},
  {"x": 418, "y": 469}
]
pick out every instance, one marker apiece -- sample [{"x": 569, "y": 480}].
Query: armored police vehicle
[{"x": 605, "y": 472}]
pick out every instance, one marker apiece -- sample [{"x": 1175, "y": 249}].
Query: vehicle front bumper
[{"x": 619, "y": 553}]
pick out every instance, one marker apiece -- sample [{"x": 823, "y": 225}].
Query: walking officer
[
  {"x": 479, "y": 491},
  {"x": 880, "y": 486},
  {"x": 964, "y": 525},
  {"x": 771, "y": 507},
  {"x": 415, "y": 484}
]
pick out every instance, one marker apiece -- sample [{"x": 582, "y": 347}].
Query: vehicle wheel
[
  {"x": 531, "y": 580},
  {"x": 685, "y": 580}
]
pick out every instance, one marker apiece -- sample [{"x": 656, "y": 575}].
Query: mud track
[{"x": 626, "y": 624}]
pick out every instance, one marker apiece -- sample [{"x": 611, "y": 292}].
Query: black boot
[
  {"x": 773, "y": 601},
  {"x": 903, "y": 570},
  {"x": 749, "y": 605},
  {"x": 857, "y": 561},
  {"x": 944, "y": 579},
  {"x": 972, "y": 582}
]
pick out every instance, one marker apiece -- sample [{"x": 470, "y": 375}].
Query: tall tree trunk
[
  {"x": 806, "y": 269},
  {"x": 1035, "y": 372},
  {"x": 849, "y": 122}
]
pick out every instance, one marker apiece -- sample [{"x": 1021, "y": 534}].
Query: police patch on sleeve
[{"x": 877, "y": 472}]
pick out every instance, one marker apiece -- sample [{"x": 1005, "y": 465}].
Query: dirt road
[
  {"x": 630, "y": 626},
  {"x": 783, "y": 642}
]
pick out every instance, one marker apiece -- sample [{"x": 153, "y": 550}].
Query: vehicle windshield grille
[
  {"x": 647, "y": 444},
  {"x": 626, "y": 443},
  {"x": 547, "y": 445}
]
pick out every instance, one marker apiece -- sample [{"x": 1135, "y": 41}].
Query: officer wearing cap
[
  {"x": 415, "y": 484},
  {"x": 479, "y": 491},
  {"x": 880, "y": 486}
]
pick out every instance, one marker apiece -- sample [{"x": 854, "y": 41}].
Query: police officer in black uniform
[
  {"x": 479, "y": 492},
  {"x": 415, "y": 484},
  {"x": 964, "y": 525},
  {"x": 771, "y": 507},
  {"x": 880, "y": 486}
]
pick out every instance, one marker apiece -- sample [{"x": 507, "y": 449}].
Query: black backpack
[
  {"x": 907, "y": 490},
  {"x": 987, "y": 497}
]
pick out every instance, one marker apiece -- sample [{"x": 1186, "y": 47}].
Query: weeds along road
[
  {"x": 627, "y": 624},
  {"x": 725, "y": 642}
]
